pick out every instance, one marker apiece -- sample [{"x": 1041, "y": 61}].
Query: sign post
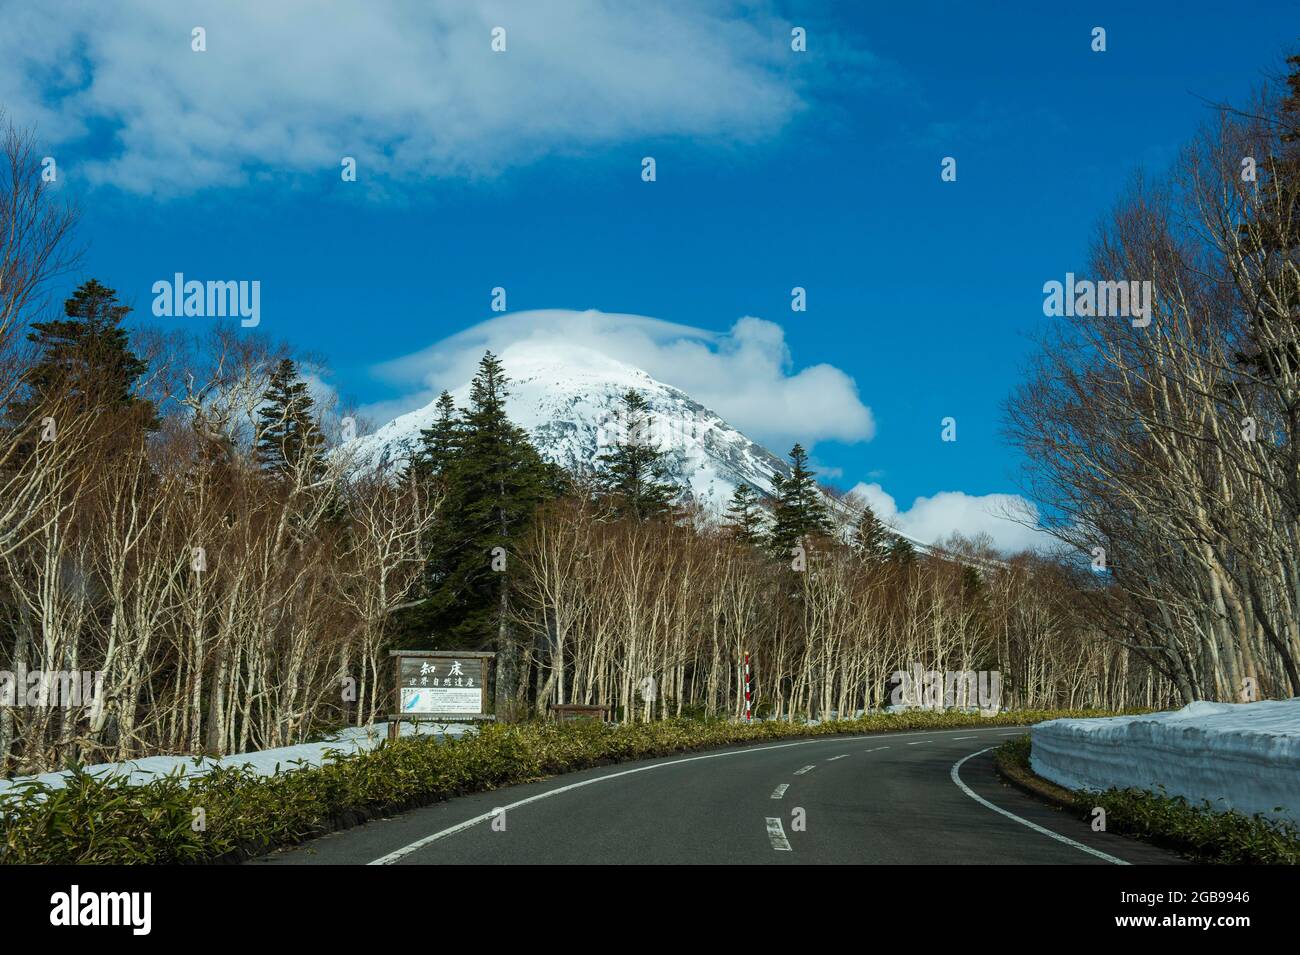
[{"x": 441, "y": 686}]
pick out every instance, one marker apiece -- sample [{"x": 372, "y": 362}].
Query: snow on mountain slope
[{"x": 567, "y": 397}]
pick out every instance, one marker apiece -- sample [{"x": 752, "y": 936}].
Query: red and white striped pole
[{"x": 749, "y": 692}]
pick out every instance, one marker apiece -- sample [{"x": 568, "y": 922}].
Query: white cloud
[
  {"x": 744, "y": 374},
  {"x": 933, "y": 519},
  {"x": 323, "y": 394},
  {"x": 412, "y": 90}
]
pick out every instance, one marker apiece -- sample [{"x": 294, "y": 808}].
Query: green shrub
[{"x": 232, "y": 813}]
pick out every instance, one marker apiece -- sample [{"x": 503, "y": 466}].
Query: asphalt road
[{"x": 894, "y": 798}]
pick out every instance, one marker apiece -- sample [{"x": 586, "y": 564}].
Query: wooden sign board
[
  {"x": 442, "y": 685},
  {"x": 568, "y": 712}
]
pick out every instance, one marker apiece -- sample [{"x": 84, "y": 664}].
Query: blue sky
[{"x": 522, "y": 169}]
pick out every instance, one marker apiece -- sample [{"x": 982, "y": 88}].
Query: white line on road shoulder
[
  {"x": 956, "y": 778},
  {"x": 800, "y": 772},
  {"x": 776, "y": 832},
  {"x": 779, "y": 791}
]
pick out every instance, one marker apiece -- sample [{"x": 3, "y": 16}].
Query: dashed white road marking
[
  {"x": 833, "y": 758},
  {"x": 919, "y": 742},
  {"x": 965, "y": 737},
  {"x": 776, "y": 832},
  {"x": 398, "y": 854},
  {"x": 779, "y": 791},
  {"x": 876, "y": 750},
  {"x": 955, "y": 773},
  {"x": 800, "y": 772}
]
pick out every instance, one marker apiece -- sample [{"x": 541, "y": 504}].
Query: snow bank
[
  {"x": 1243, "y": 756},
  {"x": 265, "y": 762}
]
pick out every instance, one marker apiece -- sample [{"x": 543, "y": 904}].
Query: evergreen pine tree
[
  {"x": 900, "y": 550},
  {"x": 744, "y": 515},
  {"x": 870, "y": 537},
  {"x": 493, "y": 479},
  {"x": 85, "y": 363},
  {"x": 632, "y": 473},
  {"x": 438, "y": 442},
  {"x": 289, "y": 437},
  {"x": 799, "y": 511}
]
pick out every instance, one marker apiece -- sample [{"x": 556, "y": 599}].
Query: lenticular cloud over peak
[{"x": 746, "y": 373}]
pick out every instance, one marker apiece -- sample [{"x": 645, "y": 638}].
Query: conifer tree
[
  {"x": 744, "y": 515},
  {"x": 438, "y": 442},
  {"x": 799, "y": 511},
  {"x": 633, "y": 472},
  {"x": 289, "y": 437},
  {"x": 870, "y": 536},
  {"x": 84, "y": 362},
  {"x": 900, "y": 550},
  {"x": 493, "y": 480}
]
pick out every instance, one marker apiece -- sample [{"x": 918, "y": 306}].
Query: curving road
[{"x": 891, "y": 798}]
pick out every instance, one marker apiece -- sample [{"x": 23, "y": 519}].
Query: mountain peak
[{"x": 567, "y": 397}]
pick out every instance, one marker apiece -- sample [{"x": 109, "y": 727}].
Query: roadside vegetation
[
  {"x": 1199, "y": 832},
  {"x": 233, "y": 814}
]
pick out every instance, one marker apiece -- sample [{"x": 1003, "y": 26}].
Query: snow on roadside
[
  {"x": 265, "y": 762},
  {"x": 1243, "y": 756}
]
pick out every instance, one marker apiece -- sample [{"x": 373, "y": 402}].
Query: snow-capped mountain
[{"x": 568, "y": 400}]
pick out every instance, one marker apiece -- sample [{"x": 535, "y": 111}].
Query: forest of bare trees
[
  {"x": 225, "y": 611},
  {"x": 1169, "y": 450},
  {"x": 610, "y": 603},
  {"x": 223, "y": 604}
]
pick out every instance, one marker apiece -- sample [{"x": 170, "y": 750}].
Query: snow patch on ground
[
  {"x": 1243, "y": 756},
  {"x": 265, "y": 762}
]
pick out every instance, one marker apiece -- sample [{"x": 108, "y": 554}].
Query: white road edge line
[
  {"x": 779, "y": 791},
  {"x": 776, "y": 832},
  {"x": 956, "y": 778},
  {"x": 419, "y": 844},
  {"x": 800, "y": 772}
]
